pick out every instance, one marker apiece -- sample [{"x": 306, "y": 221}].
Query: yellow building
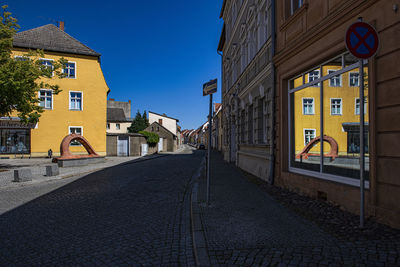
[
  {"x": 341, "y": 111},
  {"x": 80, "y": 108}
]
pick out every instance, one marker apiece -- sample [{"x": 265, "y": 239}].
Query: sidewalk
[
  {"x": 244, "y": 226},
  {"x": 38, "y": 169}
]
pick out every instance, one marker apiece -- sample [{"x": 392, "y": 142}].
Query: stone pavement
[
  {"x": 244, "y": 226},
  {"x": 132, "y": 214}
]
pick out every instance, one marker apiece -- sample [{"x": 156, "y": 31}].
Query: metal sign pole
[
  {"x": 209, "y": 150},
  {"x": 362, "y": 152}
]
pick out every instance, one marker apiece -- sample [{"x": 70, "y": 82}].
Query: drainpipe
[{"x": 271, "y": 179}]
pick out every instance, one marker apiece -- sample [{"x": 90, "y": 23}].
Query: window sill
[{"x": 329, "y": 177}]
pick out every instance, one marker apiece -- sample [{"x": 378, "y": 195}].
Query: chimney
[
  {"x": 61, "y": 25},
  {"x": 112, "y": 99},
  {"x": 129, "y": 101}
]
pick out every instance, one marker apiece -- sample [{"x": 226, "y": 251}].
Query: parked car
[{"x": 202, "y": 146}]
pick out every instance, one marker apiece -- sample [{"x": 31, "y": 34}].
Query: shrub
[{"x": 151, "y": 138}]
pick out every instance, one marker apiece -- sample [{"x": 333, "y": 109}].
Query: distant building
[
  {"x": 118, "y": 116},
  {"x": 168, "y": 140}
]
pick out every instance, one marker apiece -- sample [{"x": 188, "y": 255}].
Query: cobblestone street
[{"x": 132, "y": 214}]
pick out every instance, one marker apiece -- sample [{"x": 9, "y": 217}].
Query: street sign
[
  {"x": 362, "y": 40},
  {"x": 210, "y": 87}
]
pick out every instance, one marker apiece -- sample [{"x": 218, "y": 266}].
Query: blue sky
[{"x": 155, "y": 53}]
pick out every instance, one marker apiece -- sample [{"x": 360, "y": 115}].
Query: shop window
[
  {"x": 15, "y": 141},
  {"x": 337, "y": 157}
]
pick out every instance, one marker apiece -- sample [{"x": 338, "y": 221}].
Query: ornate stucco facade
[{"x": 247, "y": 84}]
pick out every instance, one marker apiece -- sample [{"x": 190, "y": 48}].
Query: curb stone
[{"x": 198, "y": 235}]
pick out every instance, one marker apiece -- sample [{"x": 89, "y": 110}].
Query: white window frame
[
  {"x": 359, "y": 108},
  {"x": 23, "y": 57},
  {"x": 108, "y": 126},
  {"x": 358, "y": 80},
  {"x": 75, "y": 70},
  {"x": 304, "y": 134},
  {"x": 70, "y": 100},
  {"x": 313, "y": 105},
  {"x": 341, "y": 106},
  {"x": 333, "y": 79},
  {"x": 69, "y": 132},
  {"x": 52, "y": 65},
  {"x": 52, "y": 102},
  {"x": 118, "y": 126},
  {"x": 319, "y": 76}
]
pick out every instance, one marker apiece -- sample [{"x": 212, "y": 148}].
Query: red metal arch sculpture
[
  {"x": 66, "y": 153},
  {"x": 333, "y": 153}
]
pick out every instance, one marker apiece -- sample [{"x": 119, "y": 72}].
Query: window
[
  {"x": 69, "y": 70},
  {"x": 15, "y": 141},
  {"x": 75, "y": 100},
  {"x": 21, "y": 58},
  {"x": 250, "y": 125},
  {"x": 336, "y": 106},
  {"x": 46, "y": 99},
  {"x": 309, "y": 134},
  {"x": 308, "y": 106},
  {"x": 108, "y": 126},
  {"x": 260, "y": 118},
  {"x": 334, "y": 123},
  {"x": 242, "y": 126},
  {"x": 313, "y": 75},
  {"x": 75, "y": 130},
  {"x": 354, "y": 78},
  {"x": 335, "y": 81},
  {"x": 118, "y": 126},
  {"x": 357, "y": 109},
  {"x": 47, "y": 64},
  {"x": 295, "y": 4}
]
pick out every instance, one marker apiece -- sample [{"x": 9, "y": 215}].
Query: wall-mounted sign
[{"x": 362, "y": 40}]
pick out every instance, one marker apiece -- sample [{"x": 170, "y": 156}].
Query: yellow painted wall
[
  {"x": 332, "y": 123},
  {"x": 53, "y": 124}
]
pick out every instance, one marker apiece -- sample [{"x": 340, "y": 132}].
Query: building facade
[
  {"x": 318, "y": 105},
  {"x": 247, "y": 84},
  {"x": 118, "y": 116},
  {"x": 79, "y": 108}
]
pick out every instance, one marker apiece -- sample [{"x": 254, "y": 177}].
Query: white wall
[
  {"x": 168, "y": 123},
  {"x": 123, "y": 127}
]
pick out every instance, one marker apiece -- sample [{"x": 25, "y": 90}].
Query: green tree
[
  {"x": 151, "y": 138},
  {"x": 145, "y": 119},
  {"x": 138, "y": 124},
  {"x": 21, "y": 78}
]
